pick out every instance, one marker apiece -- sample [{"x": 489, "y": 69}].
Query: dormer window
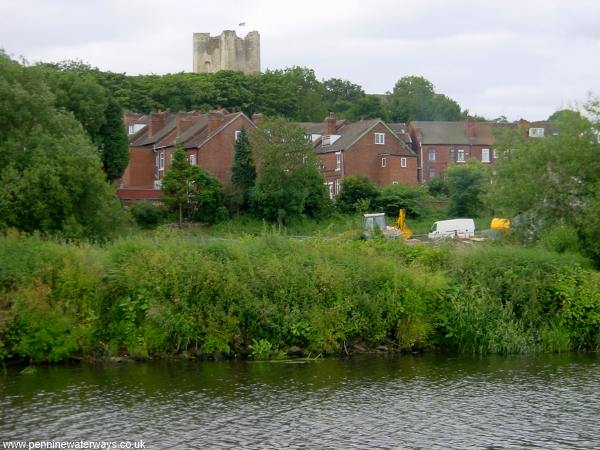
[
  {"x": 536, "y": 132},
  {"x": 380, "y": 138},
  {"x": 326, "y": 140}
]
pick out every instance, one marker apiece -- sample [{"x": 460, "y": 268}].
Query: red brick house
[
  {"x": 369, "y": 148},
  {"x": 208, "y": 139},
  {"x": 439, "y": 144}
]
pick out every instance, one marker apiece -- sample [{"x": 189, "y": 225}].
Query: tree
[
  {"x": 191, "y": 192},
  {"x": 466, "y": 187},
  {"x": 115, "y": 146},
  {"x": 289, "y": 183},
  {"x": 51, "y": 177},
  {"x": 243, "y": 175},
  {"x": 356, "y": 190},
  {"x": 76, "y": 88},
  {"x": 414, "y": 98},
  {"x": 413, "y": 199},
  {"x": 551, "y": 181}
]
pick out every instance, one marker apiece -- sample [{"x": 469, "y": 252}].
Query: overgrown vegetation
[{"x": 259, "y": 297}]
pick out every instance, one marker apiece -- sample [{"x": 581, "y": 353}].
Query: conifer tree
[{"x": 243, "y": 175}]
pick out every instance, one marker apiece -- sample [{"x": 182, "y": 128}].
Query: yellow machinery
[
  {"x": 499, "y": 224},
  {"x": 401, "y": 224}
]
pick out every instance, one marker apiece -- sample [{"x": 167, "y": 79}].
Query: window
[
  {"x": 383, "y": 162},
  {"x": 326, "y": 141},
  {"x": 536, "y": 132},
  {"x": 403, "y": 162},
  {"x": 338, "y": 186},
  {"x": 380, "y": 138},
  {"x": 330, "y": 189},
  {"x": 157, "y": 184},
  {"x": 432, "y": 154},
  {"x": 131, "y": 129},
  {"x": 431, "y": 172},
  {"x": 453, "y": 154},
  {"x": 395, "y": 182},
  {"x": 460, "y": 155},
  {"x": 192, "y": 160},
  {"x": 308, "y": 137},
  {"x": 485, "y": 155},
  {"x": 338, "y": 161},
  {"x": 238, "y": 133},
  {"x": 161, "y": 161}
]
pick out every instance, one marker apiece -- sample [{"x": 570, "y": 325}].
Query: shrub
[
  {"x": 147, "y": 214},
  {"x": 356, "y": 190},
  {"x": 415, "y": 200}
]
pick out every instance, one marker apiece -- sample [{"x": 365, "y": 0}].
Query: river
[{"x": 431, "y": 401}]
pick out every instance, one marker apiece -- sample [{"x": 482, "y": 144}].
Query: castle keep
[{"x": 226, "y": 52}]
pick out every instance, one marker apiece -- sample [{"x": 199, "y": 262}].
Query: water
[{"x": 546, "y": 402}]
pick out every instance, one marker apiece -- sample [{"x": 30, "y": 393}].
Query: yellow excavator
[{"x": 401, "y": 224}]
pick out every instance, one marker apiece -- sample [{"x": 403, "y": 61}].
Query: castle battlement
[{"x": 226, "y": 52}]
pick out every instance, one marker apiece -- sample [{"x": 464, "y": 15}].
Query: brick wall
[
  {"x": 364, "y": 158},
  {"x": 443, "y": 157},
  {"x": 141, "y": 168}
]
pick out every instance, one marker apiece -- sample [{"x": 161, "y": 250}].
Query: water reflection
[{"x": 550, "y": 401}]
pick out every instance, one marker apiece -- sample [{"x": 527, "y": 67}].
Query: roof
[
  {"x": 195, "y": 135},
  {"x": 319, "y": 127},
  {"x": 442, "y": 133},
  {"x": 352, "y": 132},
  {"x": 401, "y": 129}
]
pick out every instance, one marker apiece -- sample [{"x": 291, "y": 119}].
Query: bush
[
  {"x": 560, "y": 239},
  {"x": 437, "y": 187},
  {"x": 357, "y": 192},
  {"x": 147, "y": 214},
  {"x": 415, "y": 200}
]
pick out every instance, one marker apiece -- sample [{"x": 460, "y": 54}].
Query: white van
[{"x": 455, "y": 228}]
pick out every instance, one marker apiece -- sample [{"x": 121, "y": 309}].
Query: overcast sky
[{"x": 515, "y": 58}]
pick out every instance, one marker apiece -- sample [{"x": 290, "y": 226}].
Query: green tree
[
  {"x": 466, "y": 188},
  {"x": 551, "y": 181},
  {"x": 243, "y": 175},
  {"x": 289, "y": 183},
  {"x": 414, "y": 199},
  {"x": 414, "y": 98},
  {"x": 191, "y": 192},
  {"x": 77, "y": 88},
  {"x": 51, "y": 177},
  {"x": 356, "y": 190}
]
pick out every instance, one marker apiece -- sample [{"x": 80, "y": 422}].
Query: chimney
[
  {"x": 257, "y": 118},
  {"x": 470, "y": 130},
  {"x": 183, "y": 121},
  {"x": 215, "y": 119},
  {"x": 156, "y": 122},
  {"x": 330, "y": 124}
]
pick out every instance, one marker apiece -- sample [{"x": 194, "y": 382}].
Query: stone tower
[{"x": 226, "y": 52}]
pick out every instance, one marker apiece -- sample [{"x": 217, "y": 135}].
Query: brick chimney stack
[
  {"x": 215, "y": 119},
  {"x": 330, "y": 123},
  {"x": 185, "y": 120},
  {"x": 156, "y": 122},
  {"x": 470, "y": 130}
]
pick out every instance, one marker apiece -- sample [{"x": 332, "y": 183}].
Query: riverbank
[{"x": 269, "y": 296}]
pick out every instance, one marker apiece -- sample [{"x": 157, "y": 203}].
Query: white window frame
[
  {"x": 337, "y": 187},
  {"x": 395, "y": 182},
  {"x": 460, "y": 155},
  {"x": 192, "y": 160},
  {"x": 383, "y": 161},
  {"x": 403, "y": 162},
  {"x": 380, "y": 138},
  {"x": 485, "y": 155},
  {"x": 326, "y": 140},
  {"x": 338, "y": 161},
  {"x": 536, "y": 132},
  {"x": 430, "y": 171},
  {"x": 330, "y": 188},
  {"x": 237, "y": 135},
  {"x": 161, "y": 161},
  {"x": 430, "y": 154}
]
